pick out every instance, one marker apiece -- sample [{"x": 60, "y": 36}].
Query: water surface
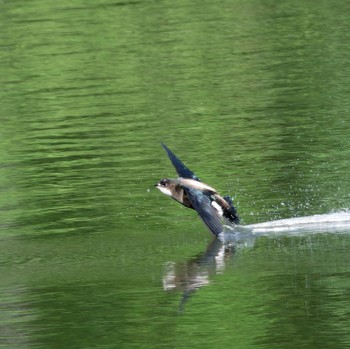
[{"x": 252, "y": 97}]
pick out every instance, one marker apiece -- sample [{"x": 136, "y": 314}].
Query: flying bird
[{"x": 215, "y": 210}]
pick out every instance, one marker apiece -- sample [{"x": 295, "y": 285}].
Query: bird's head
[{"x": 164, "y": 186}]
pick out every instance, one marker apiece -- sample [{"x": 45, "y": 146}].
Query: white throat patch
[{"x": 164, "y": 190}]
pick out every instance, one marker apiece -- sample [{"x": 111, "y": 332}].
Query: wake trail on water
[{"x": 337, "y": 222}]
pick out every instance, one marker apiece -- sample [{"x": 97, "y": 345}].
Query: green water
[{"x": 252, "y": 96}]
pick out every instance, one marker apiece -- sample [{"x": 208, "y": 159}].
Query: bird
[{"x": 214, "y": 210}]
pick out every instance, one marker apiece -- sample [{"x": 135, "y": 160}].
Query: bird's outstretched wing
[
  {"x": 180, "y": 168},
  {"x": 202, "y": 204}
]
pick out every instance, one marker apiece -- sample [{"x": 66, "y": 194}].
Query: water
[{"x": 252, "y": 97}]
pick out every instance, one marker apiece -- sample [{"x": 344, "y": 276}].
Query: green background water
[{"x": 253, "y": 96}]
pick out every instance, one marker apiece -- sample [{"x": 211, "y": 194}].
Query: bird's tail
[{"x": 231, "y": 213}]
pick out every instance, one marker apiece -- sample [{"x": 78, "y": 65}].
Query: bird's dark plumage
[
  {"x": 180, "y": 168},
  {"x": 214, "y": 210},
  {"x": 202, "y": 204}
]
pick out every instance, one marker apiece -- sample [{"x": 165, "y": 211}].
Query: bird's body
[{"x": 189, "y": 191}]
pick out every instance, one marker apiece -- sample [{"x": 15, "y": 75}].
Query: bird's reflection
[{"x": 198, "y": 271}]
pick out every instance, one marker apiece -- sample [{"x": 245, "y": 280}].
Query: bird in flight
[{"x": 214, "y": 210}]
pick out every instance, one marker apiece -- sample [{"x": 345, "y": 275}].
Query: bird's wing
[
  {"x": 180, "y": 168},
  {"x": 202, "y": 204}
]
